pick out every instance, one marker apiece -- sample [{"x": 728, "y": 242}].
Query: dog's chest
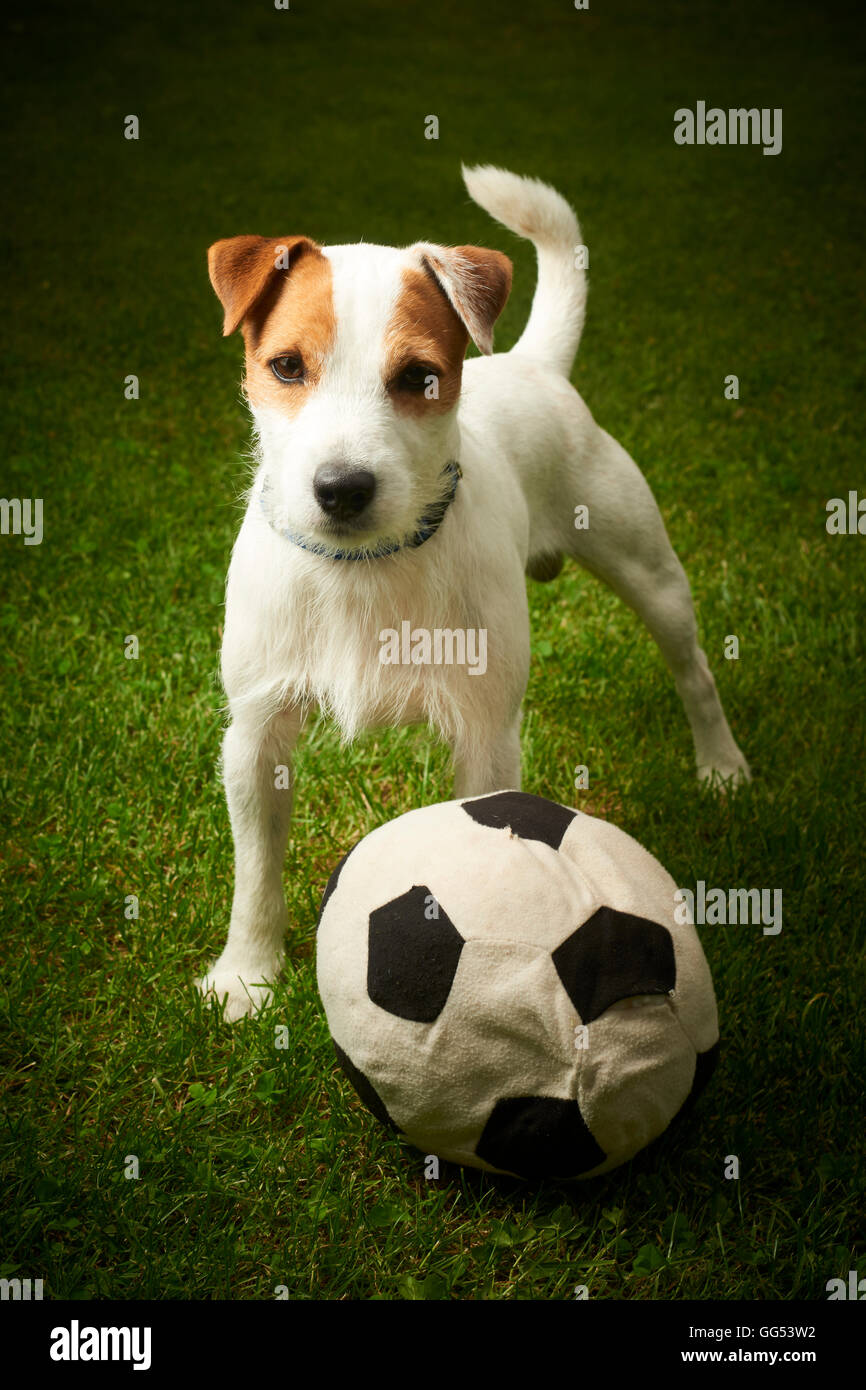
[{"x": 384, "y": 648}]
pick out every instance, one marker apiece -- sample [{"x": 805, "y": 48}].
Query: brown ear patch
[
  {"x": 424, "y": 329},
  {"x": 477, "y": 282},
  {"x": 243, "y": 268},
  {"x": 295, "y": 315}
]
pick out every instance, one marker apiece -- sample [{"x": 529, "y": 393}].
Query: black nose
[{"x": 343, "y": 492}]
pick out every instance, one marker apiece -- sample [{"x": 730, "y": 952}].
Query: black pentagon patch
[
  {"x": 530, "y": 817},
  {"x": 612, "y": 956},
  {"x": 365, "y": 1089},
  {"x": 539, "y": 1137},
  {"x": 412, "y": 960},
  {"x": 331, "y": 885}
]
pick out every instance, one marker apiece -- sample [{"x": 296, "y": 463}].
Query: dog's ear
[
  {"x": 477, "y": 283},
  {"x": 243, "y": 268}
]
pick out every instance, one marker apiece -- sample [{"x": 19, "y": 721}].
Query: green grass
[{"x": 257, "y": 1166}]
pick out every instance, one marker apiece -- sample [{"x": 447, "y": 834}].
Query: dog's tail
[{"x": 536, "y": 211}]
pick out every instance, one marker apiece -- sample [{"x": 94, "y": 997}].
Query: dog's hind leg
[
  {"x": 626, "y": 545},
  {"x": 259, "y": 787}
]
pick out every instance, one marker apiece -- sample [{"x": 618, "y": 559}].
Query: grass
[{"x": 257, "y": 1166}]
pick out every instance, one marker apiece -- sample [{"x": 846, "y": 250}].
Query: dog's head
[{"x": 354, "y": 359}]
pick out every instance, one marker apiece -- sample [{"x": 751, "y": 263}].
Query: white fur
[
  {"x": 536, "y": 211},
  {"x": 303, "y": 630}
]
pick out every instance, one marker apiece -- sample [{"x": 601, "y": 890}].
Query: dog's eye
[
  {"x": 414, "y": 377},
  {"x": 288, "y": 368}
]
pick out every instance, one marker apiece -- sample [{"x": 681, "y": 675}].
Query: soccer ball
[{"x": 505, "y": 983}]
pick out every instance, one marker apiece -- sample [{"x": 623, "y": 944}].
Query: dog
[{"x": 399, "y": 488}]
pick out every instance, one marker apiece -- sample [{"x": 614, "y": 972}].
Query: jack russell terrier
[{"x": 401, "y": 489}]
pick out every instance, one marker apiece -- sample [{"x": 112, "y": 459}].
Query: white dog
[{"x": 399, "y": 490}]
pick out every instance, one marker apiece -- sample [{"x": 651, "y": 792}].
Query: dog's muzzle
[{"x": 349, "y": 496}]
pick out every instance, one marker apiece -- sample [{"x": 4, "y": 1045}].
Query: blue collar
[{"x": 428, "y": 525}]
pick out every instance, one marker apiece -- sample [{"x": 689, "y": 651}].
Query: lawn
[{"x": 148, "y": 1149}]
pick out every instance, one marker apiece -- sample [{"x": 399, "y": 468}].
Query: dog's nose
[{"x": 343, "y": 492}]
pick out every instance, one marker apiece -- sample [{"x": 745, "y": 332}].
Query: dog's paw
[
  {"x": 727, "y": 774},
  {"x": 238, "y": 992}
]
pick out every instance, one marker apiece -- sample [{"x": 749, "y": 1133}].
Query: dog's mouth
[{"x": 329, "y": 528}]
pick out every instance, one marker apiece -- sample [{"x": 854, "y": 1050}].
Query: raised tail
[{"x": 536, "y": 211}]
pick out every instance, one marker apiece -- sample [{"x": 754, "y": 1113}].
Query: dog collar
[{"x": 428, "y": 525}]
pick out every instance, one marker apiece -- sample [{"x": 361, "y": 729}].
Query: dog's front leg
[
  {"x": 259, "y": 787},
  {"x": 487, "y": 761}
]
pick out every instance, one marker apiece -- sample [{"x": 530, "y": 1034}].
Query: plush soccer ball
[{"x": 506, "y": 984}]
